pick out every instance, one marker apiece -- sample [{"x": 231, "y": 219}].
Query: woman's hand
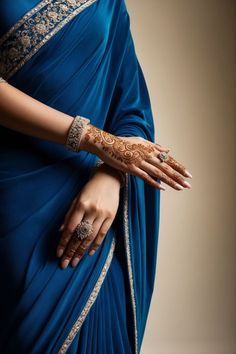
[
  {"x": 95, "y": 203},
  {"x": 137, "y": 156}
]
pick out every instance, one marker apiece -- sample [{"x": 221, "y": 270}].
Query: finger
[
  {"x": 169, "y": 171},
  {"x": 100, "y": 235},
  {"x": 85, "y": 244},
  {"x": 67, "y": 215},
  {"x": 146, "y": 177},
  {"x": 156, "y": 172},
  {"x": 157, "y": 147},
  {"x": 74, "y": 241},
  {"x": 74, "y": 217},
  {"x": 162, "y": 148},
  {"x": 70, "y": 250},
  {"x": 178, "y": 166}
]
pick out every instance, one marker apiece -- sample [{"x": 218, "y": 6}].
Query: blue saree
[{"x": 78, "y": 57}]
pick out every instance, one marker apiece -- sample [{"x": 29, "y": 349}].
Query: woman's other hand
[
  {"x": 95, "y": 203},
  {"x": 137, "y": 156}
]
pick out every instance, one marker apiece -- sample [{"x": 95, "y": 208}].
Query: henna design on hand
[
  {"x": 121, "y": 150},
  {"x": 175, "y": 165}
]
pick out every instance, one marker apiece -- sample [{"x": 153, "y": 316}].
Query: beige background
[{"x": 187, "y": 52}]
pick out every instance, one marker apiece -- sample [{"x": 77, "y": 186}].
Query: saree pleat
[
  {"x": 107, "y": 312},
  {"x": 77, "y": 56}
]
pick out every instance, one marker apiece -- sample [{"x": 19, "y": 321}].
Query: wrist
[
  {"x": 109, "y": 174},
  {"x": 114, "y": 173},
  {"x": 87, "y": 144},
  {"x": 76, "y": 135}
]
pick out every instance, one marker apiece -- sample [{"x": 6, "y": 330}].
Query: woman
[{"x": 62, "y": 293}]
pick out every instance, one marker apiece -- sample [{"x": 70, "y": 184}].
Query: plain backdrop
[{"x": 187, "y": 51}]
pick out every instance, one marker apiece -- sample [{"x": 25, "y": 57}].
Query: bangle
[
  {"x": 75, "y": 133},
  {"x": 2, "y": 79},
  {"x": 120, "y": 173}
]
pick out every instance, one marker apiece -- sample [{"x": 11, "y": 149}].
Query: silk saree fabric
[{"x": 78, "y": 57}]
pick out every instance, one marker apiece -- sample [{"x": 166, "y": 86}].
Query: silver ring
[
  {"x": 83, "y": 229},
  {"x": 163, "y": 156}
]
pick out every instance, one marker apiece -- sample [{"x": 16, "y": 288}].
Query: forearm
[
  {"x": 23, "y": 113},
  {"x": 20, "y": 112}
]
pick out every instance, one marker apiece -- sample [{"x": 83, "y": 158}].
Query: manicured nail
[
  {"x": 187, "y": 184},
  {"x": 59, "y": 252},
  {"x": 91, "y": 253},
  {"x": 61, "y": 228},
  {"x": 75, "y": 262},
  {"x": 179, "y": 186},
  {"x": 188, "y": 174},
  {"x": 65, "y": 263}
]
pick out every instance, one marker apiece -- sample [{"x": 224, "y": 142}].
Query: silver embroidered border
[
  {"x": 47, "y": 36},
  {"x": 128, "y": 256},
  {"x": 23, "y": 19},
  {"x": 90, "y": 301}
]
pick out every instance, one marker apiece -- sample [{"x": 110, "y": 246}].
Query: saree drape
[{"x": 78, "y": 57}]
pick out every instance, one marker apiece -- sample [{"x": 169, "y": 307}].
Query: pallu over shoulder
[{"x": 78, "y": 57}]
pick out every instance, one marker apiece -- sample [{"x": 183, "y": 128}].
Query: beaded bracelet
[
  {"x": 75, "y": 133},
  {"x": 121, "y": 174}
]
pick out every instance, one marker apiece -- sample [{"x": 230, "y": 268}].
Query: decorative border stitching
[
  {"x": 23, "y": 19},
  {"x": 128, "y": 256},
  {"x": 17, "y": 65},
  {"x": 89, "y": 302}
]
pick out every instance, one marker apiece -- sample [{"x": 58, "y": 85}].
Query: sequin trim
[
  {"x": 128, "y": 256},
  {"x": 34, "y": 29},
  {"x": 90, "y": 301}
]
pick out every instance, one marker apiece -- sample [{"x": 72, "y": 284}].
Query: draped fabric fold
[{"x": 78, "y": 57}]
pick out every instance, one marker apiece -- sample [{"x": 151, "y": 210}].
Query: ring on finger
[
  {"x": 83, "y": 247},
  {"x": 83, "y": 229},
  {"x": 163, "y": 156}
]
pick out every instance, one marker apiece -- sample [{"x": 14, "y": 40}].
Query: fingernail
[
  {"x": 188, "y": 174},
  {"x": 65, "y": 263},
  {"x": 163, "y": 188},
  {"x": 75, "y": 262},
  {"x": 91, "y": 253},
  {"x": 61, "y": 228},
  {"x": 187, "y": 184},
  {"x": 59, "y": 252},
  {"x": 179, "y": 186}
]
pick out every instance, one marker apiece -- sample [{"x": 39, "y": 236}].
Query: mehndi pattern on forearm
[{"x": 123, "y": 151}]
